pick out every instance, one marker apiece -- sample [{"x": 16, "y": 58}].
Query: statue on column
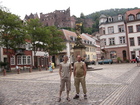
[{"x": 78, "y": 42}]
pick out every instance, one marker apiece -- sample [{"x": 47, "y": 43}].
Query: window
[
  {"x": 19, "y": 62},
  {"x": 87, "y": 49},
  {"x": 111, "y": 41},
  {"x": 122, "y": 40},
  {"x": 113, "y": 54},
  {"x": 131, "y": 17},
  {"x": 138, "y": 16},
  {"x": 131, "y": 41},
  {"x": 130, "y": 28},
  {"x": 104, "y": 41},
  {"x": 119, "y": 17},
  {"x": 71, "y": 37},
  {"x": 12, "y": 60},
  {"x": 110, "y": 19},
  {"x": 110, "y": 30},
  {"x": 103, "y": 31},
  {"x": 24, "y": 59},
  {"x": 138, "y": 28},
  {"x": 138, "y": 40},
  {"x": 121, "y": 28},
  {"x": 28, "y": 59}
]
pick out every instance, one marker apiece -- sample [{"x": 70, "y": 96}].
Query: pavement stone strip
[{"x": 116, "y": 84}]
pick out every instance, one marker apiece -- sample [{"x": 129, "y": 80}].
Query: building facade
[
  {"x": 113, "y": 37},
  {"x": 70, "y": 39},
  {"x": 132, "y": 23}
]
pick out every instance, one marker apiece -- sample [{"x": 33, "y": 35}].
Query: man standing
[
  {"x": 79, "y": 77},
  {"x": 65, "y": 77}
]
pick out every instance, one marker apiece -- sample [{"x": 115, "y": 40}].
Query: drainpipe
[{"x": 126, "y": 31}]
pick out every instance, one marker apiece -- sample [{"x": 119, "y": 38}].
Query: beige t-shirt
[
  {"x": 79, "y": 72},
  {"x": 65, "y": 71}
]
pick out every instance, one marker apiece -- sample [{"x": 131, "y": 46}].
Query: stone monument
[{"x": 79, "y": 48}]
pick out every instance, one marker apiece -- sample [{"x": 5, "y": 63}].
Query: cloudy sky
[{"x": 23, "y": 7}]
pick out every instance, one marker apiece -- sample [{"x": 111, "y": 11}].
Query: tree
[
  {"x": 37, "y": 34},
  {"x": 12, "y": 33},
  {"x": 55, "y": 42}
]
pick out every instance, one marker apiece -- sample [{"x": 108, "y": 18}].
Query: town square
[
  {"x": 116, "y": 84},
  {"x": 49, "y": 55}
]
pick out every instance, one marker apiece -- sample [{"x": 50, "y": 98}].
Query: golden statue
[
  {"x": 78, "y": 29},
  {"x": 78, "y": 32}
]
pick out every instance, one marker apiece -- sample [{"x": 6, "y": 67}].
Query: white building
[
  {"x": 133, "y": 32},
  {"x": 113, "y": 37}
]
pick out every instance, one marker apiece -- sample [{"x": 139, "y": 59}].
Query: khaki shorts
[{"x": 67, "y": 82}]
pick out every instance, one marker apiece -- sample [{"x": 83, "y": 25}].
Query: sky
[{"x": 23, "y": 7}]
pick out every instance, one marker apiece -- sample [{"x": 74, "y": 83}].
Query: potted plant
[{"x": 119, "y": 60}]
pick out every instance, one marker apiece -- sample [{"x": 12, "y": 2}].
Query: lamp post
[{"x": 46, "y": 56}]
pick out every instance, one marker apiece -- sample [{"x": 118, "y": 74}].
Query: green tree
[
  {"x": 37, "y": 33},
  {"x": 13, "y": 33},
  {"x": 55, "y": 43}
]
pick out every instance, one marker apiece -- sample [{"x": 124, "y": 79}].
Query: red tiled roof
[
  {"x": 133, "y": 12},
  {"x": 68, "y": 33}
]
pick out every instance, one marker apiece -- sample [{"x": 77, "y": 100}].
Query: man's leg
[
  {"x": 68, "y": 87},
  {"x": 83, "y": 83},
  {"x": 62, "y": 88},
  {"x": 77, "y": 83}
]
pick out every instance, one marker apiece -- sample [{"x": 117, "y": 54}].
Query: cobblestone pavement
[{"x": 116, "y": 84}]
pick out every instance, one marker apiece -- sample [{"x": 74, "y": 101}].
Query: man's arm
[
  {"x": 70, "y": 70},
  {"x": 85, "y": 69},
  {"x": 74, "y": 69},
  {"x": 60, "y": 68}
]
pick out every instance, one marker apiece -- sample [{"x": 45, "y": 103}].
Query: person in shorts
[{"x": 65, "y": 77}]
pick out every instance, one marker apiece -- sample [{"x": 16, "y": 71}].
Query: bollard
[
  {"x": 46, "y": 67},
  {"x": 39, "y": 67},
  {"x": 30, "y": 69},
  {"x": 4, "y": 72},
  {"x": 18, "y": 71}
]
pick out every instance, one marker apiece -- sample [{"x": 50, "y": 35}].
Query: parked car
[
  {"x": 92, "y": 62},
  {"x": 105, "y": 61},
  {"x": 133, "y": 60}
]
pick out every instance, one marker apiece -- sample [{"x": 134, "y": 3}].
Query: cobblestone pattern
[{"x": 114, "y": 84}]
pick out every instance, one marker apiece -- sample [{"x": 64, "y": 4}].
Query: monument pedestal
[{"x": 79, "y": 50}]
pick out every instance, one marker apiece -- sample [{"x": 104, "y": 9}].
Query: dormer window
[
  {"x": 110, "y": 19},
  {"x": 120, "y": 17},
  {"x": 131, "y": 17},
  {"x": 71, "y": 37},
  {"x": 138, "y": 16}
]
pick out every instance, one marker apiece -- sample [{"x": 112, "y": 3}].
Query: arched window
[
  {"x": 138, "y": 16},
  {"x": 131, "y": 17},
  {"x": 113, "y": 54}
]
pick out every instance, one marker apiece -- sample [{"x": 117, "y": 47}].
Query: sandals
[
  {"x": 59, "y": 99},
  {"x": 68, "y": 98}
]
